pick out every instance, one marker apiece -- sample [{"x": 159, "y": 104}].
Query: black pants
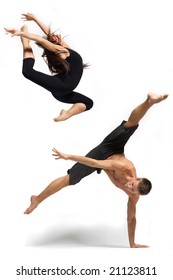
[{"x": 58, "y": 85}]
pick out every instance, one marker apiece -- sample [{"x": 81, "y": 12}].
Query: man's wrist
[{"x": 132, "y": 244}]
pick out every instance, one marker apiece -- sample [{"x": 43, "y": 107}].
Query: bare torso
[{"x": 120, "y": 177}]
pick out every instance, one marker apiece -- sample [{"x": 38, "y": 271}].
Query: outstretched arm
[
  {"x": 131, "y": 221},
  {"x": 103, "y": 164},
  {"x": 45, "y": 29},
  {"x": 45, "y": 43},
  {"x": 31, "y": 17}
]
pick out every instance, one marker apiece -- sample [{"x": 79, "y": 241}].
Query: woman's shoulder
[{"x": 73, "y": 52}]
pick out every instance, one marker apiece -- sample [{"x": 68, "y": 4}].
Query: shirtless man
[{"x": 109, "y": 156}]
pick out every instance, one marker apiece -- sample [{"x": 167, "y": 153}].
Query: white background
[{"x": 130, "y": 48}]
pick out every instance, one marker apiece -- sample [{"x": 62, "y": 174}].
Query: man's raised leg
[
  {"x": 138, "y": 113},
  {"x": 52, "y": 188}
]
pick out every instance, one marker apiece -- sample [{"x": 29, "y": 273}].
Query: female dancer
[{"x": 64, "y": 63}]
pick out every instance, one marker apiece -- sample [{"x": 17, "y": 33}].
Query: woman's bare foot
[
  {"x": 33, "y": 205},
  {"x": 155, "y": 98},
  {"x": 76, "y": 109},
  {"x": 64, "y": 115}
]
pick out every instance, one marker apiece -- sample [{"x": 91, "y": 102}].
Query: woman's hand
[
  {"x": 31, "y": 17},
  {"x": 28, "y": 16},
  {"x": 58, "y": 155},
  {"x": 55, "y": 38},
  {"x": 13, "y": 32}
]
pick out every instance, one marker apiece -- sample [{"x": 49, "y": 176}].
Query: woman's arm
[
  {"x": 30, "y": 16},
  {"x": 103, "y": 164},
  {"x": 45, "y": 43},
  {"x": 45, "y": 29}
]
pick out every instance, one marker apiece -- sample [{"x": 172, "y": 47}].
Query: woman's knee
[{"x": 89, "y": 104}]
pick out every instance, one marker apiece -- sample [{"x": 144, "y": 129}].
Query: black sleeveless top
[{"x": 76, "y": 66}]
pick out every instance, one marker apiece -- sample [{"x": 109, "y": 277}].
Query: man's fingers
[{"x": 140, "y": 246}]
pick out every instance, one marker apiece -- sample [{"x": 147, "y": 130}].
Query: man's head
[{"x": 141, "y": 186}]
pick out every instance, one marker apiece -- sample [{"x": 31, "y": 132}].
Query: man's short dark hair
[{"x": 144, "y": 186}]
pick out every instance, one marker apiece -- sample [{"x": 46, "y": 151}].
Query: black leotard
[{"x": 61, "y": 85}]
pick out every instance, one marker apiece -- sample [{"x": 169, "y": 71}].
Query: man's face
[{"x": 132, "y": 186}]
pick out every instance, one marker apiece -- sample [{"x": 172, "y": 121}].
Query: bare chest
[{"x": 117, "y": 178}]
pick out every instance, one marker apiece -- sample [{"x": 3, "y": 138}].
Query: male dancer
[{"x": 109, "y": 156}]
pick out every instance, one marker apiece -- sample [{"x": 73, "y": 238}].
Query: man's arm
[
  {"x": 131, "y": 221},
  {"x": 102, "y": 164}
]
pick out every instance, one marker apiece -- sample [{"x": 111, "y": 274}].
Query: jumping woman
[{"x": 65, "y": 64}]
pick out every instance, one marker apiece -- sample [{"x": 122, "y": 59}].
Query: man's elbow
[
  {"x": 131, "y": 220},
  {"x": 96, "y": 164}
]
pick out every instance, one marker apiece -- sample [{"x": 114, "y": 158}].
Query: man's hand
[
  {"x": 139, "y": 246},
  {"x": 13, "y": 32},
  {"x": 58, "y": 155}
]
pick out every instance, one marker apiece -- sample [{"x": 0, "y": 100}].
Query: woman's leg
[
  {"x": 27, "y": 50},
  {"x": 48, "y": 82},
  {"x": 80, "y": 103},
  {"x": 74, "y": 110},
  {"x": 28, "y": 63}
]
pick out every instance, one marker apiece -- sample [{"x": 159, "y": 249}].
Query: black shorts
[{"x": 114, "y": 143}]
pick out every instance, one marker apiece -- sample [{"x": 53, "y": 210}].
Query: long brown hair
[{"x": 54, "y": 61}]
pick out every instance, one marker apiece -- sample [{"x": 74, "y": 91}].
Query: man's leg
[
  {"x": 52, "y": 188},
  {"x": 138, "y": 113},
  {"x": 76, "y": 174}
]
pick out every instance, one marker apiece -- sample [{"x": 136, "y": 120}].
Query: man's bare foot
[
  {"x": 155, "y": 98},
  {"x": 33, "y": 205},
  {"x": 64, "y": 115}
]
